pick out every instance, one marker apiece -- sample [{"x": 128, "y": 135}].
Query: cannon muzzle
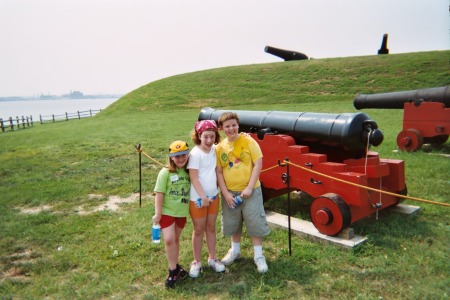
[
  {"x": 287, "y": 55},
  {"x": 384, "y": 49},
  {"x": 350, "y": 132},
  {"x": 397, "y": 99}
]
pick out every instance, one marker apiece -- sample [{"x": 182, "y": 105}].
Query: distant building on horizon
[
  {"x": 47, "y": 97},
  {"x": 75, "y": 95}
]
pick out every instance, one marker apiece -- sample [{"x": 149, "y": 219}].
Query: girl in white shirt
[{"x": 202, "y": 172}]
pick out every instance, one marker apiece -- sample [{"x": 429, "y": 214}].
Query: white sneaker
[
  {"x": 230, "y": 257},
  {"x": 261, "y": 264},
  {"x": 195, "y": 269},
  {"x": 216, "y": 265}
]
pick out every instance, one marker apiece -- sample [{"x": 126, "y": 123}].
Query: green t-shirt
[{"x": 176, "y": 188}]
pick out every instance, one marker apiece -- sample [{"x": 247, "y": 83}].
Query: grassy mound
[{"x": 60, "y": 239}]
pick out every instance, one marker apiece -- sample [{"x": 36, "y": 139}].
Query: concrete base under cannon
[{"x": 346, "y": 239}]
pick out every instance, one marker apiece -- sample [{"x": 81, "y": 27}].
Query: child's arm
[
  {"x": 257, "y": 166},
  {"x": 193, "y": 174},
  {"x": 159, "y": 198},
  {"x": 228, "y": 197}
]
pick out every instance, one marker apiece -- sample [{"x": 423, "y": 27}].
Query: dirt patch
[
  {"x": 112, "y": 204},
  {"x": 35, "y": 210},
  {"x": 19, "y": 266}
]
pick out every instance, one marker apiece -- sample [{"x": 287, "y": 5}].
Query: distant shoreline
[{"x": 15, "y": 98}]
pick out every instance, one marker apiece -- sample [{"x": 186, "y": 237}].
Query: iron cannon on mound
[{"x": 287, "y": 55}]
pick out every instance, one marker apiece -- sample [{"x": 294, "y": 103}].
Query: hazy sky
[{"x": 116, "y": 46}]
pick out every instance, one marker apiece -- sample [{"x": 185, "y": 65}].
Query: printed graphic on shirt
[
  {"x": 237, "y": 155},
  {"x": 178, "y": 188}
]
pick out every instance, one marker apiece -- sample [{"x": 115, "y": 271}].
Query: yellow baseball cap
[{"x": 178, "y": 148}]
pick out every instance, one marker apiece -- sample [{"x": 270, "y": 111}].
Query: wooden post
[
  {"x": 23, "y": 122},
  {"x": 31, "y": 119},
  {"x": 53, "y": 116},
  {"x": 11, "y": 123},
  {"x": 1, "y": 124},
  {"x": 78, "y": 114},
  {"x": 18, "y": 122}
]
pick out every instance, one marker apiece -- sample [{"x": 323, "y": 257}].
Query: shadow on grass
[
  {"x": 387, "y": 229},
  {"x": 241, "y": 280}
]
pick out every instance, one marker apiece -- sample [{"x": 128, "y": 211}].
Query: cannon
[
  {"x": 287, "y": 55},
  {"x": 340, "y": 135},
  {"x": 337, "y": 183},
  {"x": 384, "y": 49},
  {"x": 426, "y": 114}
]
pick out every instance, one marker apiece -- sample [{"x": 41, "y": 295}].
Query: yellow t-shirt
[{"x": 236, "y": 160}]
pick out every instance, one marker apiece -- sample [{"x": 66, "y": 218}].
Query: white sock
[
  {"x": 236, "y": 247},
  {"x": 258, "y": 251}
]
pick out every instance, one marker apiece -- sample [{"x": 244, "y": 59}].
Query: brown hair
[
  {"x": 196, "y": 138},
  {"x": 173, "y": 167},
  {"x": 227, "y": 116}
]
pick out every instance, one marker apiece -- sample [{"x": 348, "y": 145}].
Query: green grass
[{"x": 61, "y": 254}]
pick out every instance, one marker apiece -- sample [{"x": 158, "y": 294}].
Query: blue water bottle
[
  {"x": 156, "y": 233},
  {"x": 198, "y": 202},
  {"x": 237, "y": 200}
]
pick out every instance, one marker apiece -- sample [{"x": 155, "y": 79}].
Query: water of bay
[{"x": 35, "y": 108}]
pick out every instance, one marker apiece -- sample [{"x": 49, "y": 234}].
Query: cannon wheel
[
  {"x": 330, "y": 214},
  {"x": 410, "y": 140}
]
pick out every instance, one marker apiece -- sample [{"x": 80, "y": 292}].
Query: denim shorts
[{"x": 251, "y": 211}]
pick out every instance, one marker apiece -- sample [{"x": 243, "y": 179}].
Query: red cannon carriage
[
  {"x": 328, "y": 159},
  {"x": 426, "y": 116}
]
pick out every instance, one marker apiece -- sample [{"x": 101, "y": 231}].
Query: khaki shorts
[{"x": 251, "y": 211}]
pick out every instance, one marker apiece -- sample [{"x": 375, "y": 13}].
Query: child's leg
[
  {"x": 171, "y": 242},
  {"x": 178, "y": 230},
  {"x": 212, "y": 211},
  {"x": 197, "y": 237},
  {"x": 198, "y": 216},
  {"x": 211, "y": 235}
]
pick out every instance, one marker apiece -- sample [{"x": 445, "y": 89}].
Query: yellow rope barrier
[
  {"x": 268, "y": 169},
  {"x": 140, "y": 150},
  {"x": 361, "y": 186}
]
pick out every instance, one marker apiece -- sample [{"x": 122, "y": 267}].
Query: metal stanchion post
[
  {"x": 138, "y": 148},
  {"x": 286, "y": 180}
]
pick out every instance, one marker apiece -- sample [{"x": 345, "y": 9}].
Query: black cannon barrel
[
  {"x": 397, "y": 99},
  {"x": 384, "y": 49},
  {"x": 287, "y": 55},
  {"x": 348, "y": 131}
]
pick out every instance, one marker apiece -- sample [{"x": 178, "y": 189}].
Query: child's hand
[
  {"x": 156, "y": 219},
  {"x": 205, "y": 202},
  {"x": 246, "y": 193},
  {"x": 229, "y": 198}
]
